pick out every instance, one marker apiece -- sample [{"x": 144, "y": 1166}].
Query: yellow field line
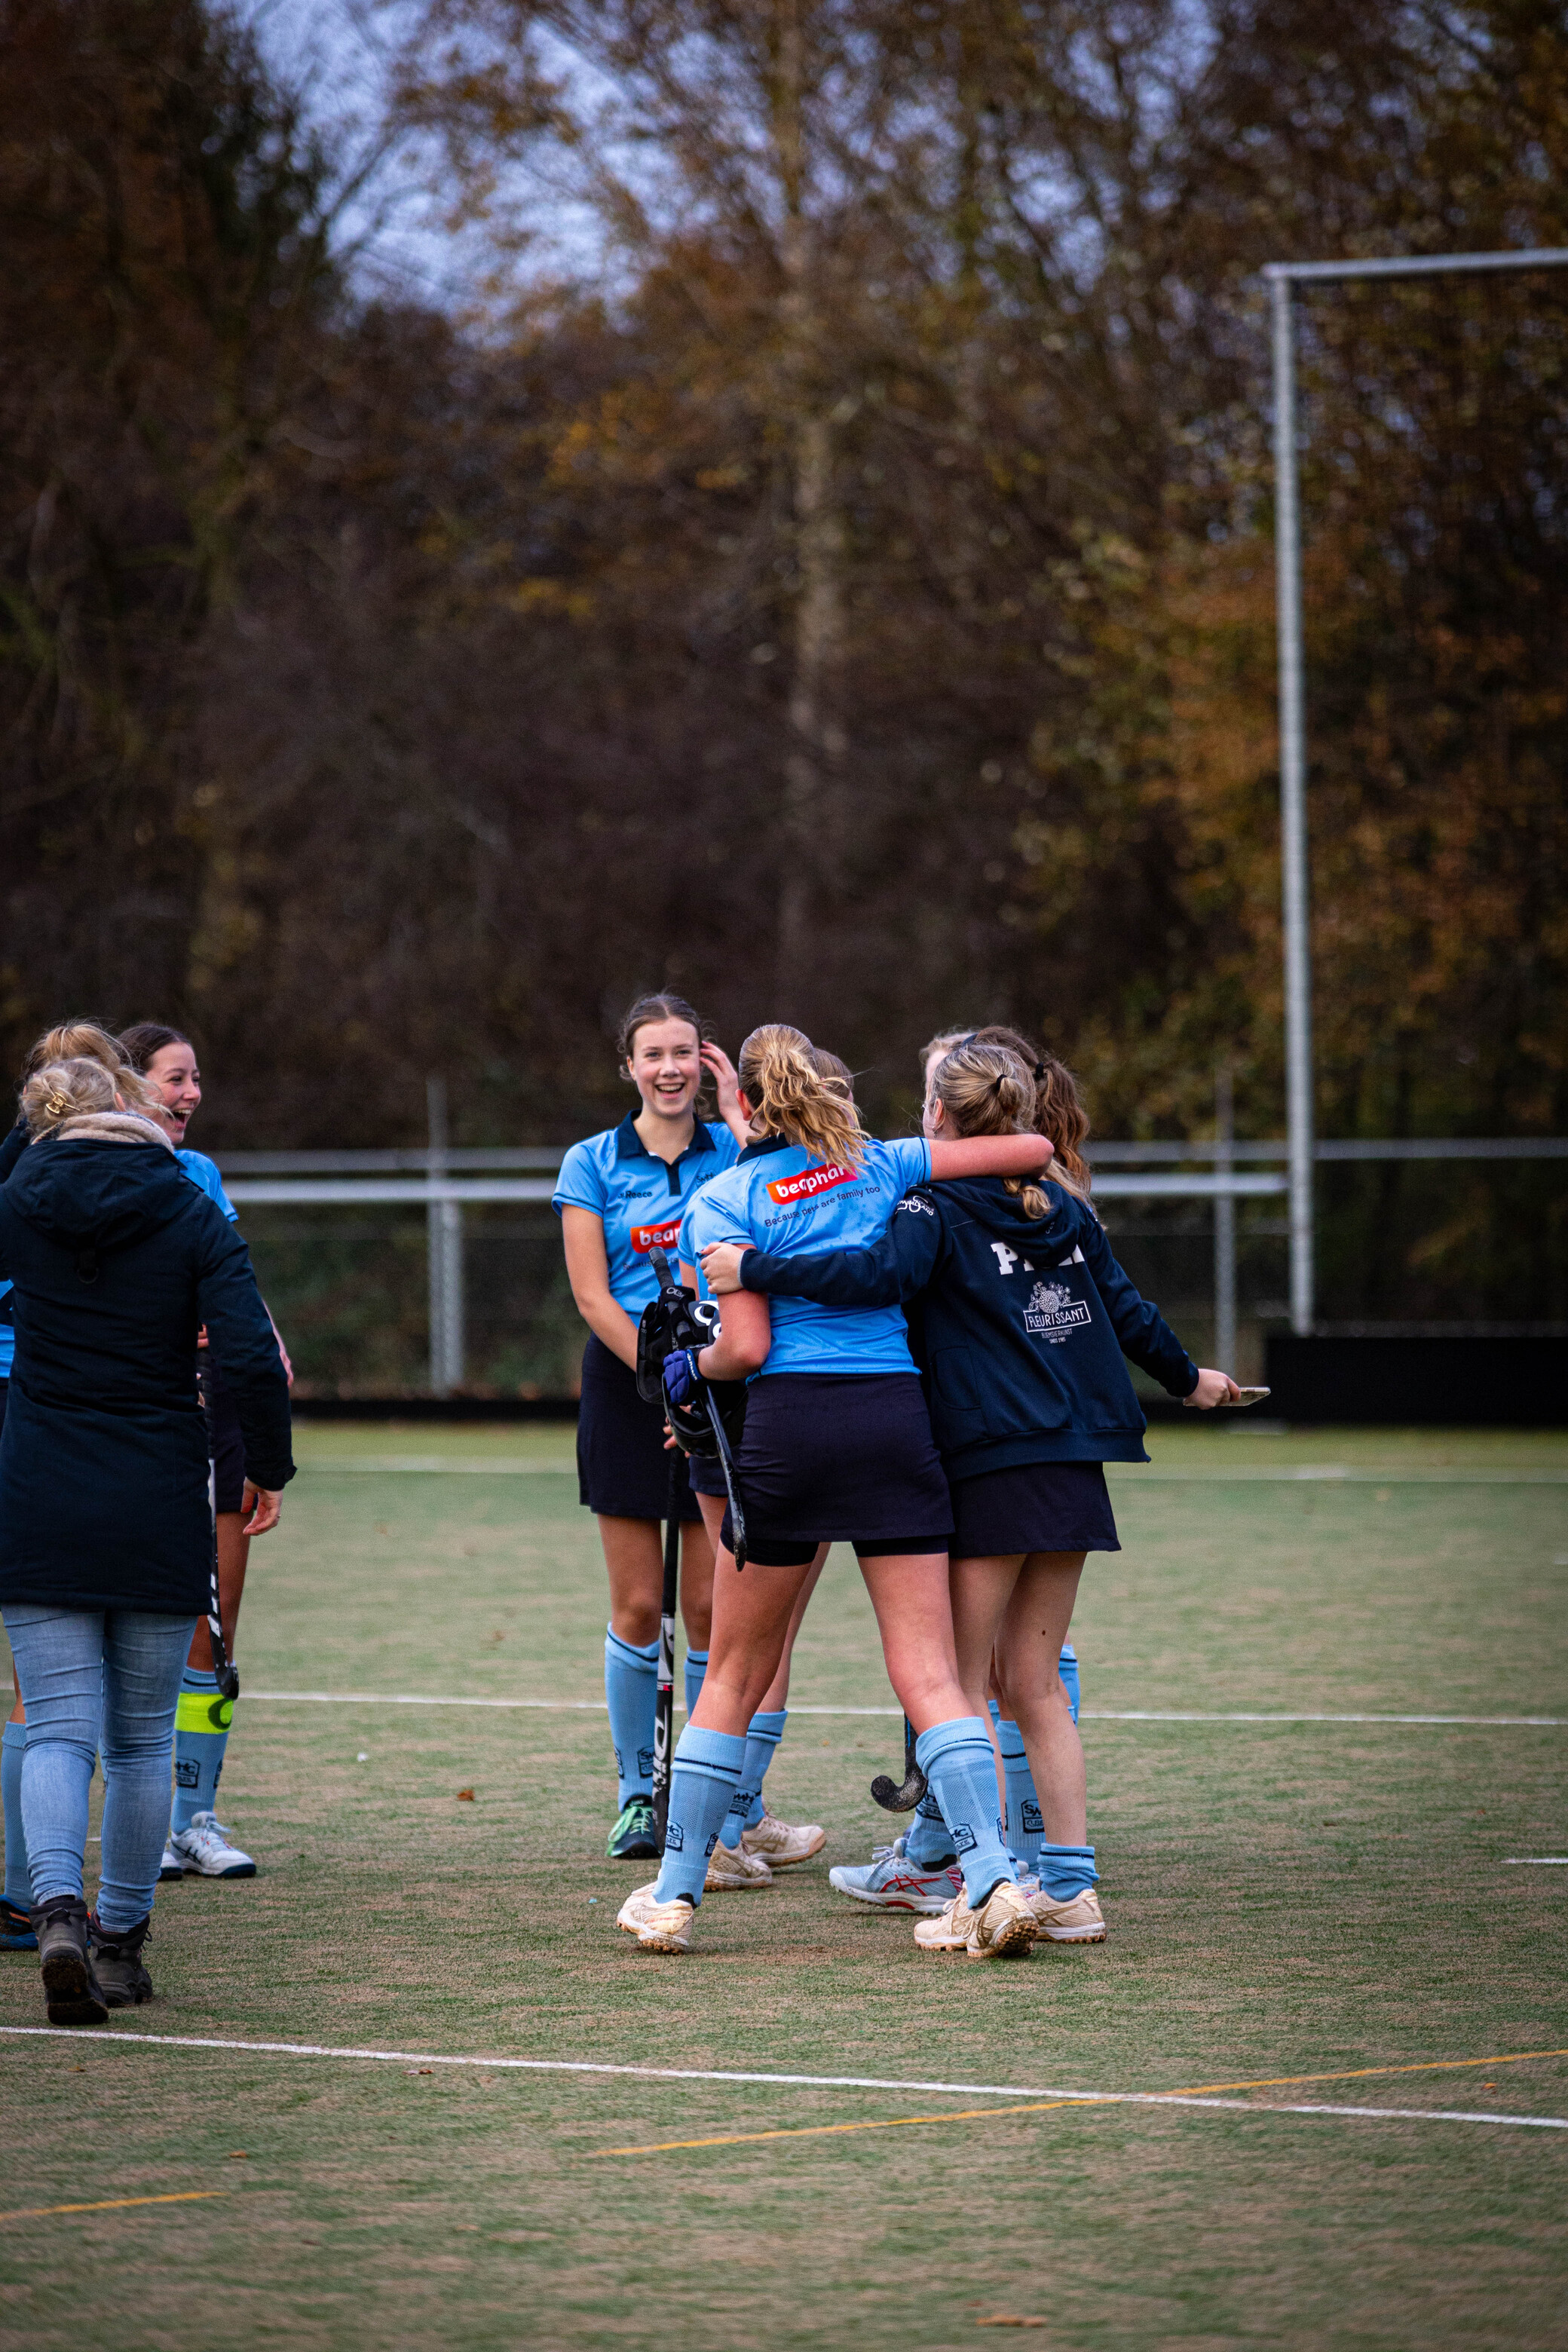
[
  {"x": 1042, "y": 2106},
  {"x": 820, "y": 2131},
  {"x": 1357, "y": 2073},
  {"x": 113, "y": 2204}
]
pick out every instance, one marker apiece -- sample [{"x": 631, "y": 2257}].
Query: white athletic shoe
[
  {"x": 781, "y": 1845},
  {"x": 730, "y": 1867},
  {"x": 894, "y": 1885},
  {"x": 1077, "y": 1920},
  {"x": 206, "y": 1851},
  {"x": 171, "y": 1866},
  {"x": 657, "y": 1926},
  {"x": 1003, "y": 1923}
]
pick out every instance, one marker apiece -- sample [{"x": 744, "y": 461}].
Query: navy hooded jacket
[
  {"x": 118, "y": 1260},
  {"x": 1025, "y": 1322}
]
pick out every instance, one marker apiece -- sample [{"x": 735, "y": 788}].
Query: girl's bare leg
[
  {"x": 914, "y": 1617},
  {"x": 777, "y": 1693},
  {"x": 1033, "y": 1629},
  {"x": 634, "y": 1557},
  {"x": 752, "y": 1614}
]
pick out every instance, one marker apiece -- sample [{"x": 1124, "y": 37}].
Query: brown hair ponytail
[
  {"x": 1058, "y": 1113},
  {"x": 792, "y": 1094}
]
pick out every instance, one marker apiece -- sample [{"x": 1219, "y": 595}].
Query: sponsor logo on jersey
[
  {"x": 1053, "y": 1310},
  {"x": 790, "y": 1190},
  {"x": 648, "y": 1237}
]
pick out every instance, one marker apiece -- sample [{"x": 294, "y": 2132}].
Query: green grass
[{"x": 1283, "y": 1899}]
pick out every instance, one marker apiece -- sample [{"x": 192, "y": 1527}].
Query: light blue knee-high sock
[
  {"x": 761, "y": 1744},
  {"x": 1024, "y": 1824},
  {"x": 1066, "y": 1870},
  {"x": 695, "y": 1669},
  {"x": 631, "y": 1689},
  {"x": 702, "y": 1781},
  {"x": 960, "y": 1764},
  {"x": 928, "y": 1841},
  {"x": 18, "y": 1886},
  {"x": 202, "y": 1720},
  {"x": 1067, "y": 1667}
]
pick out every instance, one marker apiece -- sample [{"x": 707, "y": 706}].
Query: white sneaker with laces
[
  {"x": 1003, "y": 1923},
  {"x": 894, "y": 1885},
  {"x": 204, "y": 1850},
  {"x": 1072, "y": 1919},
  {"x": 781, "y": 1845},
  {"x": 729, "y": 1868},
  {"x": 657, "y": 1926}
]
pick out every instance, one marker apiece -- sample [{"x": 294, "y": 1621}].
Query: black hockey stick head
[{"x": 895, "y": 1797}]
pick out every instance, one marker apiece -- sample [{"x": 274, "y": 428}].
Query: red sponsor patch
[
  {"x": 810, "y": 1183},
  {"x": 648, "y": 1237}
]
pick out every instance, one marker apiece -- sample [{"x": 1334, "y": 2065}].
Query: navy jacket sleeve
[
  {"x": 246, "y": 1345},
  {"x": 12, "y": 1149},
  {"x": 891, "y": 1270},
  {"x": 1142, "y": 1331}
]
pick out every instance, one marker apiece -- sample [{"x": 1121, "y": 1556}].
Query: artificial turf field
[{"x": 1285, "y": 1899}]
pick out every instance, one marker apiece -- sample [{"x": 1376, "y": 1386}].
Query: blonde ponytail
[
  {"x": 792, "y": 1092},
  {"x": 988, "y": 1091}
]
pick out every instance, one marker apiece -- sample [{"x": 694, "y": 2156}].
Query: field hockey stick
[
  {"x": 686, "y": 1332},
  {"x": 664, "y": 1699},
  {"x": 895, "y": 1798},
  {"x": 224, "y": 1670}
]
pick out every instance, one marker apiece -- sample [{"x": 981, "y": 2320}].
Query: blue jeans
[{"x": 83, "y": 1671}]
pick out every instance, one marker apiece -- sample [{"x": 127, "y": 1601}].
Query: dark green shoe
[{"x": 635, "y": 1837}]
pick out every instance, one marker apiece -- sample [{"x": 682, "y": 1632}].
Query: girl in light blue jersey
[
  {"x": 837, "y": 1447},
  {"x": 620, "y": 1194},
  {"x": 198, "y": 1845}
]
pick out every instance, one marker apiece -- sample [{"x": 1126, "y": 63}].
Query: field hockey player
[
  {"x": 198, "y": 1845},
  {"x": 1026, "y": 1318},
  {"x": 752, "y": 1833},
  {"x": 837, "y": 1447},
  {"x": 621, "y": 1194}
]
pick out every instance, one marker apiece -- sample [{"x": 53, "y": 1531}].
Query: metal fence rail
[{"x": 431, "y": 1180}]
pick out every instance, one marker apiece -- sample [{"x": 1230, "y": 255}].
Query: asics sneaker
[
  {"x": 635, "y": 1837},
  {"x": 894, "y": 1885},
  {"x": 657, "y": 1926},
  {"x": 204, "y": 1850},
  {"x": 171, "y": 1866},
  {"x": 1070, "y": 1919},
  {"x": 730, "y": 1867},
  {"x": 15, "y": 1928},
  {"x": 1003, "y": 1923},
  {"x": 781, "y": 1845}
]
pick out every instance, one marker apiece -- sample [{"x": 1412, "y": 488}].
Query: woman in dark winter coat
[{"x": 105, "y": 1517}]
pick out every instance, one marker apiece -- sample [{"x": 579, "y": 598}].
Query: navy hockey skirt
[
  {"x": 623, "y": 1467},
  {"x": 1037, "y": 1507},
  {"x": 833, "y": 1458}
]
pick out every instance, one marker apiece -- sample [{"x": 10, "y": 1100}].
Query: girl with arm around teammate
[
  {"x": 1026, "y": 1318},
  {"x": 837, "y": 1447}
]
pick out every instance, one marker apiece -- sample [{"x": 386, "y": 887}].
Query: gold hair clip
[{"x": 57, "y": 1105}]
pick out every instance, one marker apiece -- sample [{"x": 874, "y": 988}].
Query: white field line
[
  {"x": 1534, "y": 1861},
  {"x": 1090, "y": 1713},
  {"x": 1332, "y": 1473},
  {"x": 793, "y": 2082}
]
